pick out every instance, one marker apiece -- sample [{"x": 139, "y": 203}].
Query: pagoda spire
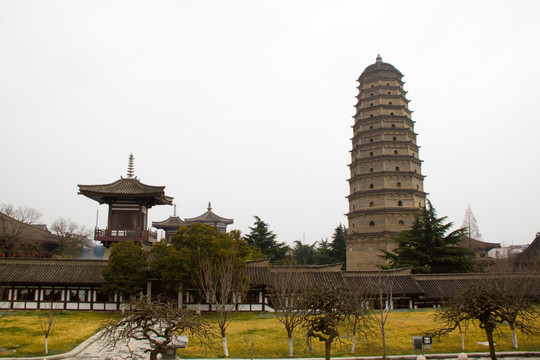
[{"x": 131, "y": 166}]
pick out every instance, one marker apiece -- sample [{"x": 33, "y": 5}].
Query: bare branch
[{"x": 157, "y": 321}]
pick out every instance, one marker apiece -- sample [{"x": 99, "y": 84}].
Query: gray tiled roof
[
  {"x": 369, "y": 284},
  {"x": 51, "y": 271}
]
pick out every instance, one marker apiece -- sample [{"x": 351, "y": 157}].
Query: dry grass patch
[
  {"x": 262, "y": 335},
  {"x": 254, "y": 334}
]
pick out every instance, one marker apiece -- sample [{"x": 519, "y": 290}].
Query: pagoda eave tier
[{"x": 128, "y": 189}]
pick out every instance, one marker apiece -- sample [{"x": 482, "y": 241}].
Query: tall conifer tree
[{"x": 427, "y": 247}]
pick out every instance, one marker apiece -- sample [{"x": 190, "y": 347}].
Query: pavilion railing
[{"x": 125, "y": 234}]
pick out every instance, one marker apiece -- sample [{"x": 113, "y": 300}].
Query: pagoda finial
[
  {"x": 209, "y": 206},
  {"x": 131, "y": 168},
  {"x": 174, "y": 214},
  {"x": 379, "y": 58}
]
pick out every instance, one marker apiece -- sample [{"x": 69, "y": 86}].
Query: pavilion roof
[
  {"x": 209, "y": 217},
  {"x": 173, "y": 222},
  {"x": 126, "y": 188}
]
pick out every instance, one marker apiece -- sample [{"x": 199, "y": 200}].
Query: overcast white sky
[{"x": 249, "y": 104}]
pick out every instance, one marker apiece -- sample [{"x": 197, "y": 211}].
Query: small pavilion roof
[
  {"x": 126, "y": 188},
  {"x": 173, "y": 222},
  {"x": 209, "y": 217}
]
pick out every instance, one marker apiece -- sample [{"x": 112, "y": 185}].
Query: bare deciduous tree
[
  {"x": 14, "y": 223},
  {"x": 384, "y": 284},
  {"x": 47, "y": 321},
  {"x": 326, "y": 309},
  {"x": 518, "y": 291},
  {"x": 285, "y": 294},
  {"x": 156, "y": 322},
  {"x": 221, "y": 281},
  {"x": 72, "y": 236},
  {"x": 359, "y": 320},
  {"x": 490, "y": 304},
  {"x": 470, "y": 225}
]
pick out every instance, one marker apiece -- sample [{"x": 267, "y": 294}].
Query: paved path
[{"x": 97, "y": 350}]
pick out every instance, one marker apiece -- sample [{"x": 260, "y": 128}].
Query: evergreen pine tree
[
  {"x": 338, "y": 248},
  {"x": 265, "y": 240},
  {"x": 427, "y": 247}
]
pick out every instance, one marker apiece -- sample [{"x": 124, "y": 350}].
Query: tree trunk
[
  {"x": 462, "y": 338},
  {"x": 489, "y": 334},
  {"x": 154, "y": 353},
  {"x": 225, "y": 347},
  {"x": 327, "y": 348},
  {"x": 383, "y": 343},
  {"x": 46, "y": 345},
  {"x": 353, "y": 346},
  {"x": 290, "y": 346},
  {"x": 514, "y": 336}
]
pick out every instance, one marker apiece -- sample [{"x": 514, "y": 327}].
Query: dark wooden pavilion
[
  {"x": 129, "y": 200},
  {"x": 170, "y": 226}
]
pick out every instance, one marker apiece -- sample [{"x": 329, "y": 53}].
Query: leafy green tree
[
  {"x": 170, "y": 265},
  {"x": 125, "y": 274},
  {"x": 428, "y": 247},
  {"x": 265, "y": 240}
]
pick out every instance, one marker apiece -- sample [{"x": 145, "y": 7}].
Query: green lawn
[{"x": 257, "y": 333}]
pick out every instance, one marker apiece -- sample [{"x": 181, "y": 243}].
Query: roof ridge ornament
[
  {"x": 378, "y": 58},
  {"x": 174, "y": 214},
  {"x": 209, "y": 206},
  {"x": 131, "y": 167}
]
